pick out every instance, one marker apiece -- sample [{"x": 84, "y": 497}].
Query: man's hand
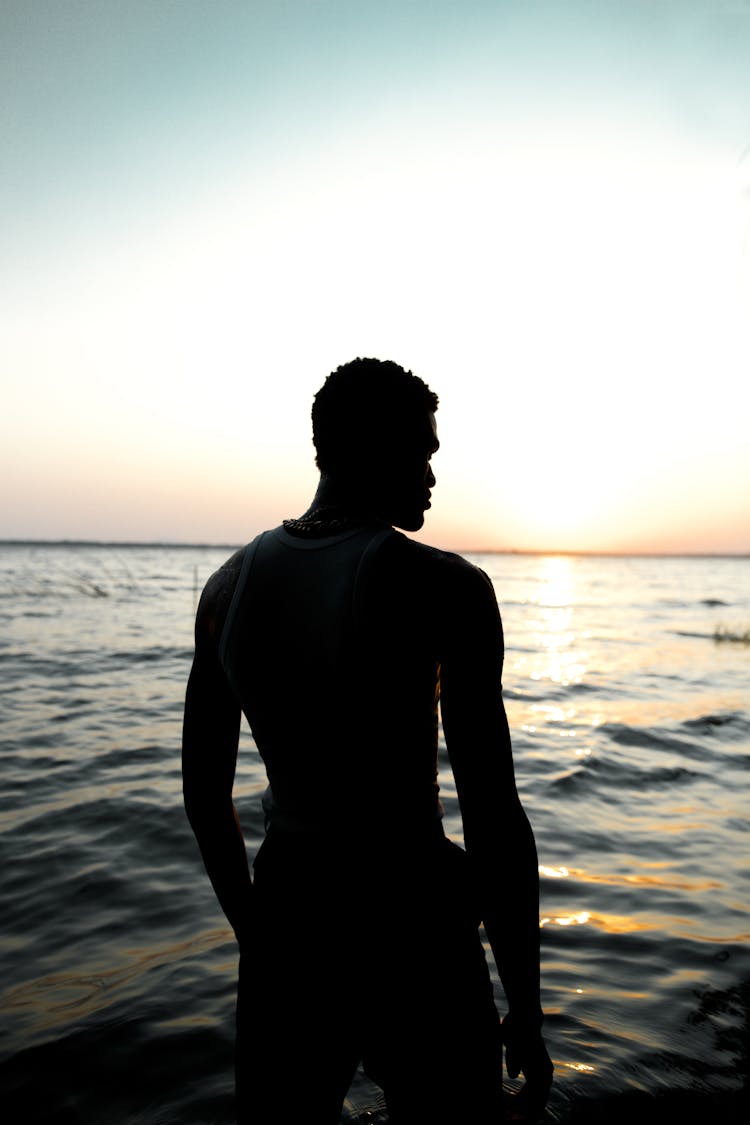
[{"x": 525, "y": 1053}]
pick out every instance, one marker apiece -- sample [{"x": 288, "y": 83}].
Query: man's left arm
[
  {"x": 209, "y": 757},
  {"x": 497, "y": 833}
]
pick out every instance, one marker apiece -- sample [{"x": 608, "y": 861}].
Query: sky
[{"x": 542, "y": 209}]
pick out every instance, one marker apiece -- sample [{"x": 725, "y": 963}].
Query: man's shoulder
[
  {"x": 222, "y": 582},
  {"x": 217, "y": 595},
  {"x": 436, "y": 558},
  {"x": 448, "y": 570}
]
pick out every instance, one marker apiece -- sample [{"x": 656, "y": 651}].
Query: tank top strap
[{"x": 247, "y": 564}]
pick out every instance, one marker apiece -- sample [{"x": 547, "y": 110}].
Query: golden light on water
[
  {"x": 557, "y": 578},
  {"x": 606, "y": 923},
  {"x": 50, "y": 1001},
  {"x": 558, "y": 660},
  {"x": 610, "y": 923},
  {"x": 630, "y": 880},
  {"x": 578, "y": 919}
]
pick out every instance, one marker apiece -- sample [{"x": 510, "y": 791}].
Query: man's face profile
[{"x": 404, "y": 483}]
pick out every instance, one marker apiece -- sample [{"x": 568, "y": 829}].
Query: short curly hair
[{"x": 364, "y": 406}]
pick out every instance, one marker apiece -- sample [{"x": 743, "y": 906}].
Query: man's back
[{"x": 332, "y": 645}]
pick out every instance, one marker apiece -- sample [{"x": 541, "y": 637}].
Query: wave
[
  {"x": 596, "y": 773},
  {"x": 79, "y": 662},
  {"x": 718, "y": 723},
  {"x": 625, "y": 735}
]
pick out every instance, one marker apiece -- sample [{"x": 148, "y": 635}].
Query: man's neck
[{"x": 333, "y": 494}]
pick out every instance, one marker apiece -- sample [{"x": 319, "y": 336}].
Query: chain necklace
[{"x": 319, "y": 522}]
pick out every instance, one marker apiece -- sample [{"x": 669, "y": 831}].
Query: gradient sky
[{"x": 543, "y": 209}]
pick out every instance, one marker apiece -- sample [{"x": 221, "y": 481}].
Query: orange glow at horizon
[{"x": 568, "y": 266}]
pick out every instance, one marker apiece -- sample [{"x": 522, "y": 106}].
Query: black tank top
[{"x": 337, "y": 681}]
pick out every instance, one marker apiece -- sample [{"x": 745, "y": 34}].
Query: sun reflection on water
[
  {"x": 578, "y": 919},
  {"x": 604, "y": 923},
  {"x": 557, "y": 581},
  {"x": 558, "y": 659}
]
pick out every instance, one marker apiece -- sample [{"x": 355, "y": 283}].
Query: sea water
[{"x": 627, "y": 687}]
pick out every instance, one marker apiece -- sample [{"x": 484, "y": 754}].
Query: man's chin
[{"x": 412, "y": 522}]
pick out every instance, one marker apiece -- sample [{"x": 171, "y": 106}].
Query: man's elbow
[{"x": 205, "y": 805}]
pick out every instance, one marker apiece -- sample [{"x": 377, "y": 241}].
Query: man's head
[{"x": 374, "y": 434}]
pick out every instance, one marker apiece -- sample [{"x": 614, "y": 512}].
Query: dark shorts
[{"x": 365, "y": 952}]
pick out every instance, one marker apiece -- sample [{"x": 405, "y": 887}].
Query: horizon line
[{"x": 186, "y": 545}]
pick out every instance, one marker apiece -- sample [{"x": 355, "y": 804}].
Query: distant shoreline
[{"x": 535, "y": 552}]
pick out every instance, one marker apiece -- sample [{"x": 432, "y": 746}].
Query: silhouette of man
[{"x": 337, "y": 635}]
